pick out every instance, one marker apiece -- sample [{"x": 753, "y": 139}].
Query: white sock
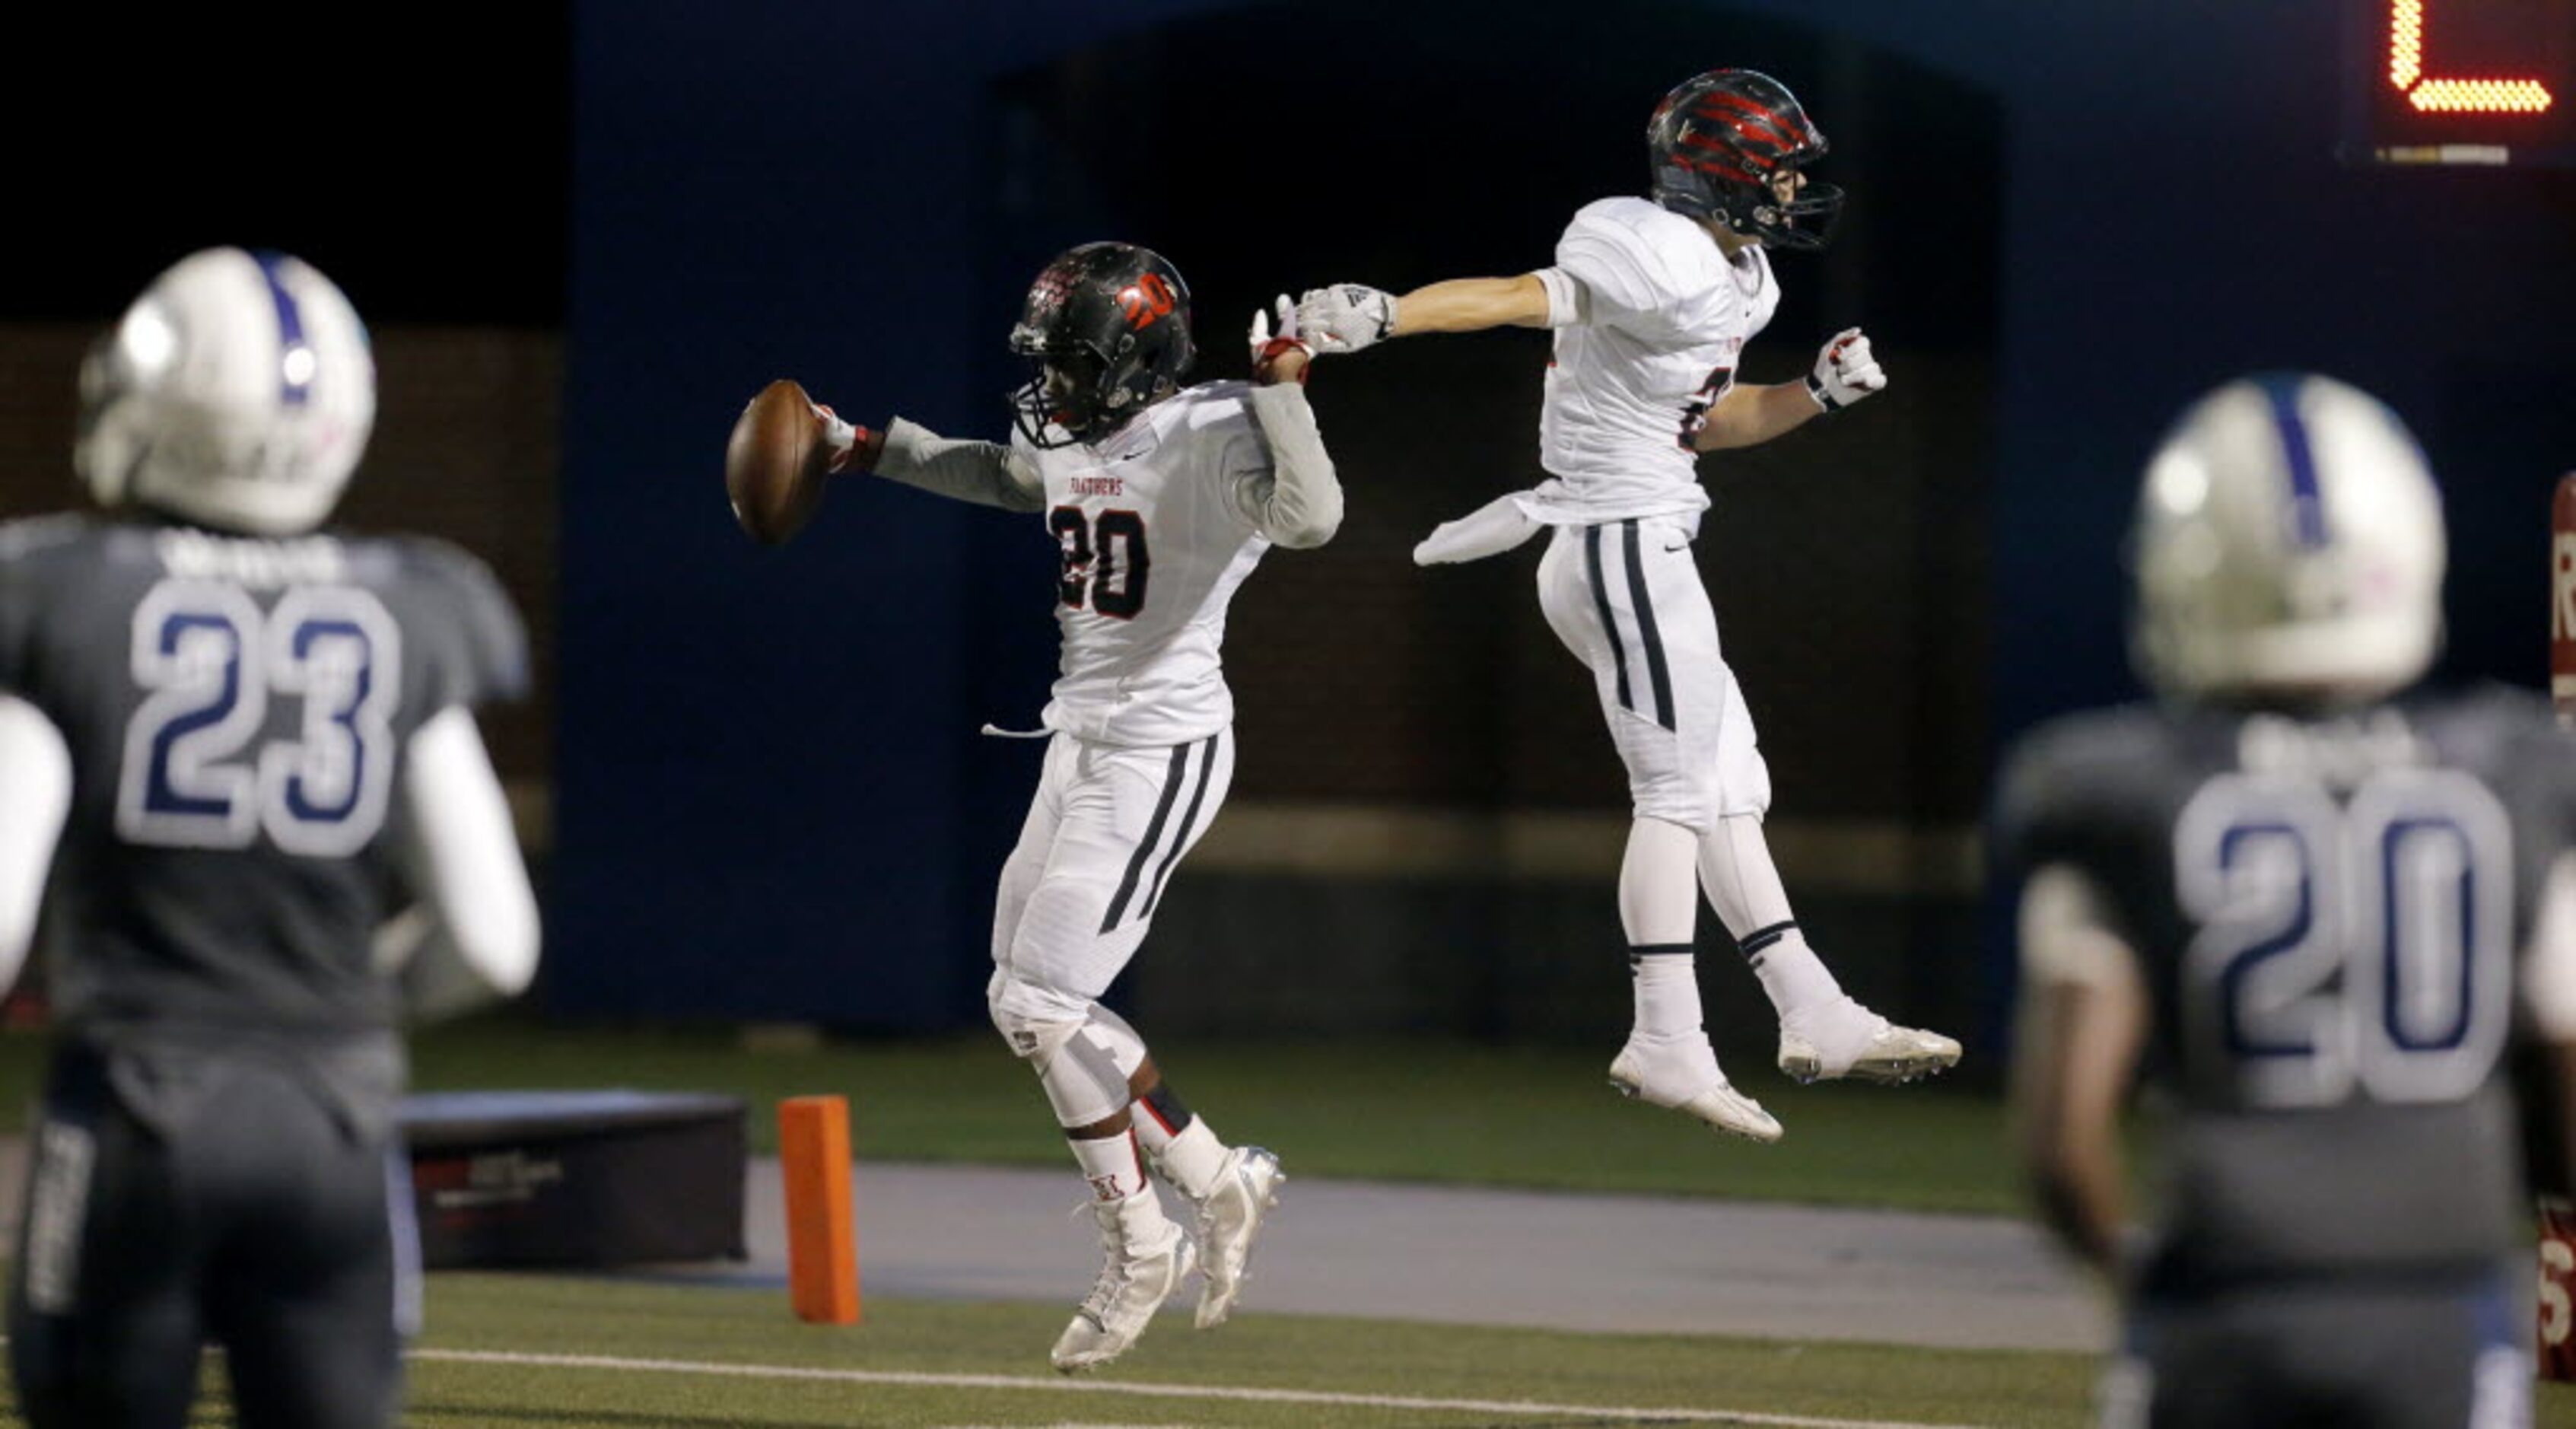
[
  {"x": 1744, "y": 887},
  {"x": 1658, "y": 906},
  {"x": 1666, "y": 983},
  {"x": 1791, "y": 974},
  {"x": 1183, "y": 1145},
  {"x": 1190, "y": 1159},
  {"x": 1112, "y": 1164}
]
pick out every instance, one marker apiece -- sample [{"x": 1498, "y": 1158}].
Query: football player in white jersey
[
  {"x": 1652, "y": 302},
  {"x": 1162, "y": 499}
]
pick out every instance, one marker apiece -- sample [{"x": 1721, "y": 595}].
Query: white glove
[
  {"x": 1845, "y": 372},
  {"x": 840, "y": 438},
  {"x": 1345, "y": 317},
  {"x": 1267, "y": 350}
]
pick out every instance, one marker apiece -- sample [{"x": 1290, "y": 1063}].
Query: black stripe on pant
[
  {"x": 1650, "y": 638},
  {"x": 1657, "y": 673},
  {"x": 1189, "y": 821},
  {"x": 1172, "y": 781}
]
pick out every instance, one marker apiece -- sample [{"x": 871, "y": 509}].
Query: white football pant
[
  {"x": 1104, "y": 832},
  {"x": 1625, "y": 597}
]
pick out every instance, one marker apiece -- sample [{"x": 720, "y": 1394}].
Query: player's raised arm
[
  {"x": 1298, "y": 502},
  {"x": 1749, "y": 414},
  {"x": 1346, "y": 317},
  {"x": 786, "y": 447},
  {"x": 986, "y": 473}
]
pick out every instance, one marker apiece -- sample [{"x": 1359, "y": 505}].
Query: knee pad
[
  {"x": 1032, "y": 1018},
  {"x": 1083, "y": 1061}
]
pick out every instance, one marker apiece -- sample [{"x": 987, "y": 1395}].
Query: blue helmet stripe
[
  {"x": 2307, "y": 501},
  {"x": 294, "y": 385}
]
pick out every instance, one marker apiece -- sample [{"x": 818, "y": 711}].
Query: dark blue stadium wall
[{"x": 772, "y": 799}]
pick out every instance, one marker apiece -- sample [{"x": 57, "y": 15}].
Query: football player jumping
[
  {"x": 1162, "y": 498},
  {"x": 1652, "y": 302},
  {"x": 2341, "y": 913}
]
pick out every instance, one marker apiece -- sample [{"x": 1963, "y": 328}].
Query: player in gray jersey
[
  {"x": 249, "y": 807},
  {"x": 2323, "y": 907},
  {"x": 1161, "y": 499}
]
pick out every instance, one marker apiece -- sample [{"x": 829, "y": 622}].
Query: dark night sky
[{"x": 423, "y": 166}]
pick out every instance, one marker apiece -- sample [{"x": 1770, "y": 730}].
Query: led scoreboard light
[{"x": 2460, "y": 82}]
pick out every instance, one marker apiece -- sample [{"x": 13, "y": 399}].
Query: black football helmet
[
  {"x": 1722, "y": 141},
  {"x": 1108, "y": 327}
]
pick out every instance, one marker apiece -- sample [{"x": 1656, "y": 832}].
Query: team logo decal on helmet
[
  {"x": 1728, "y": 145},
  {"x": 1108, "y": 327}
]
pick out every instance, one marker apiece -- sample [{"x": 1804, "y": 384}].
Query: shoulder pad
[
  {"x": 2068, "y": 770},
  {"x": 468, "y": 620},
  {"x": 30, "y": 534},
  {"x": 1213, "y": 404},
  {"x": 1637, "y": 256}
]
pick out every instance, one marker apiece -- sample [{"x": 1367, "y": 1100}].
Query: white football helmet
[
  {"x": 238, "y": 391},
  {"x": 2288, "y": 542}
]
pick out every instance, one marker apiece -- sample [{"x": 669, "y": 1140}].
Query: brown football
[{"x": 776, "y": 463}]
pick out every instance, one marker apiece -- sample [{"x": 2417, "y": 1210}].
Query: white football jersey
[
  {"x": 1666, "y": 317},
  {"x": 1158, "y": 524}
]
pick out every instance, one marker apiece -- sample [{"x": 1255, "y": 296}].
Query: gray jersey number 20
[{"x": 2356, "y": 945}]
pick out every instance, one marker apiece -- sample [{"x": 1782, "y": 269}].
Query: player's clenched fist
[
  {"x": 853, "y": 447},
  {"x": 1282, "y": 358},
  {"x": 1845, "y": 371},
  {"x": 1345, "y": 317}
]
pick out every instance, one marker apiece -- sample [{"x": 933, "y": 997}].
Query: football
[{"x": 776, "y": 463}]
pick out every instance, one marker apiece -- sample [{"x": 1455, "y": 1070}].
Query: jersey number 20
[
  {"x": 196, "y": 773},
  {"x": 1105, "y": 561},
  {"x": 2362, "y": 945}
]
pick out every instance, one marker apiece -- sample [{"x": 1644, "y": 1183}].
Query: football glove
[
  {"x": 1345, "y": 317},
  {"x": 1267, "y": 350},
  {"x": 1845, "y": 371},
  {"x": 846, "y": 440}
]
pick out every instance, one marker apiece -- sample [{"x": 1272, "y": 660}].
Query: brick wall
[{"x": 465, "y": 447}]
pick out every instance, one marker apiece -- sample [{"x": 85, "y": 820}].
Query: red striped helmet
[{"x": 1721, "y": 141}]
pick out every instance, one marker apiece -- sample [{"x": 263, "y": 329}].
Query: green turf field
[
  {"x": 1431, "y": 1111},
  {"x": 602, "y": 1353},
  {"x": 626, "y": 1353},
  {"x": 1410, "y": 1111}
]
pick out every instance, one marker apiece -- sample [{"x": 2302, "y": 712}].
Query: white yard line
[{"x": 1237, "y": 1393}]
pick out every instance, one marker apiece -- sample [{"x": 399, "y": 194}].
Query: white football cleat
[
  {"x": 1144, "y": 1259},
  {"x": 1246, "y": 1190},
  {"x": 1849, "y": 1040},
  {"x": 1683, "y": 1075}
]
